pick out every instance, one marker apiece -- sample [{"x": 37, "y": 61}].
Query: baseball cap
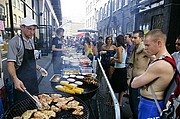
[{"x": 28, "y": 22}]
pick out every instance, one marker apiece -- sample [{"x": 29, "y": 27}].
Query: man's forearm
[
  {"x": 129, "y": 72},
  {"x": 12, "y": 70}
]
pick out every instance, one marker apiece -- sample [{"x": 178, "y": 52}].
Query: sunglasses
[{"x": 178, "y": 44}]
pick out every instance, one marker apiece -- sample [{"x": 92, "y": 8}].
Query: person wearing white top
[{"x": 176, "y": 55}]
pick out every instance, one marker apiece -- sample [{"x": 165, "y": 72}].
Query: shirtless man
[
  {"x": 138, "y": 63},
  {"x": 159, "y": 74}
]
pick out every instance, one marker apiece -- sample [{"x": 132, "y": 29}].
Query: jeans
[{"x": 134, "y": 96}]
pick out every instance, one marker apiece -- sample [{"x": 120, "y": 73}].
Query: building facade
[
  {"x": 161, "y": 14},
  {"x": 113, "y": 17},
  {"x": 71, "y": 27},
  {"x": 47, "y": 14}
]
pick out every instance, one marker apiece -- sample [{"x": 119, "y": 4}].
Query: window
[
  {"x": 140, "y": 27},
  {"x": 113, "y": 5},
  {"x": 108, "y": 9},
  {"x": 96, "y": 16},
  {"x": 120, "y": 4},
  {"x": 129, "y": 27},
  {"x": 18, "y": 4},
  {"x": 1, "y": 10},
  {"x": 125, "y": 2},
  {"x": 101, "y": 13},
  {"x": 90, "y": 6},
  {"x": 19, "y": 19},
  {"x": 104, "y": 14},
  {"x": 117, "y": 4},
  {"x": 105, "y": 10},
  {"x": 22, "y": 6},
  {"x": 15, "y": 19},
  {"x": 14, "y": 2},
  {"x": 90, "y": 22}
]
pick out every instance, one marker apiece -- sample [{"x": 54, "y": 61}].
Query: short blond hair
[{"x": 157, "y": 34}]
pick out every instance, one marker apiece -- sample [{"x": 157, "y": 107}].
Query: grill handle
[{"x": 38, "y": 104}]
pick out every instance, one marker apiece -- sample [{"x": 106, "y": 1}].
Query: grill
[{"x": 27, "y": 104}]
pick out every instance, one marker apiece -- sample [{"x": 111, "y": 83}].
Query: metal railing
[{"x": 107, "y": 103}]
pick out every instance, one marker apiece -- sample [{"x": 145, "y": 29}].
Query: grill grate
[{"x": 27, "y": 104}]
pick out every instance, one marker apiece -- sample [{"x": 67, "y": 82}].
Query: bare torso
[
  {"x": 140, "y": 64},
  {"x": 160, "y": 84}
]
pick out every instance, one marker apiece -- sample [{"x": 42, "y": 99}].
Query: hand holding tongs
[{"x": 38, "y": 104}]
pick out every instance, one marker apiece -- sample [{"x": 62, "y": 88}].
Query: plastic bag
[{"x": 168, "y": 113}]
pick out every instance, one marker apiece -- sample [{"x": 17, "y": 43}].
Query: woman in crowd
[
  {"x": 119, "y": 81},
  {"x": 89, "y": 48},
  {"x": 108, "y": 50}
]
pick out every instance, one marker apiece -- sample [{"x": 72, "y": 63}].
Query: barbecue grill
[{"x": 27, "y": 104}]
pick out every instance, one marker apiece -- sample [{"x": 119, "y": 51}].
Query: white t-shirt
[{"x": 176, "y": 56}]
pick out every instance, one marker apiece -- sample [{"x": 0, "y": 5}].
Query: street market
[{"x": 89, "y": 59}]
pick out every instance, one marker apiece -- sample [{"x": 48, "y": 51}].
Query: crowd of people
[{"x": 128, "y": 61}]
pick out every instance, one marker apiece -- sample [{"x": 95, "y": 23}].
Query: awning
[
  {"x": 80, "y": 34},
  {"x": 1, "y": 25},
  {"x": 87, "y": 30}
]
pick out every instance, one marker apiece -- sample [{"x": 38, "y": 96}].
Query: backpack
[
  {"x": 173, "y": 90},
  {"x": 175, "y": 82}
]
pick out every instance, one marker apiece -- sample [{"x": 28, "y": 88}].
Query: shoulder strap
[
  {"x": 155, "y": 99},
  {"x": 171, "y": 61}
]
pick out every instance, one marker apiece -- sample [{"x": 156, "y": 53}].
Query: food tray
[
  {"x": 90, "y": 89},
  {"x": 55, "y": 78},
  {"x": 85, "y": 62},
  {"x": 68, "y": 71},
  {"x": 86, "y": 69}
]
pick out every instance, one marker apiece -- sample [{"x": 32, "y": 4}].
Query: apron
[
  {"x": 56, "y": 58},
  {"x": 27, "y": 74}
]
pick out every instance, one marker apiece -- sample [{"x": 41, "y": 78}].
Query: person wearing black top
[{"x": 57, "y": 48}]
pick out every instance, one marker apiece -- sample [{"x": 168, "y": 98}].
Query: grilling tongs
[{"x": 38, "y": 104}]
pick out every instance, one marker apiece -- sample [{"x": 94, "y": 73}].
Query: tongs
[{"x": 38, "y": 104}]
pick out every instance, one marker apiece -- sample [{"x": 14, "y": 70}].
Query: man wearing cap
[{"x": 21, "y": 61}]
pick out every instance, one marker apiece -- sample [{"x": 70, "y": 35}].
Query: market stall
[
  {"x": 77, "y": 77},
  {"x": 76, "y": 80}
]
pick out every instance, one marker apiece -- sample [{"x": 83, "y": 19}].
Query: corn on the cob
[{"x": 69, "y": 91}]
